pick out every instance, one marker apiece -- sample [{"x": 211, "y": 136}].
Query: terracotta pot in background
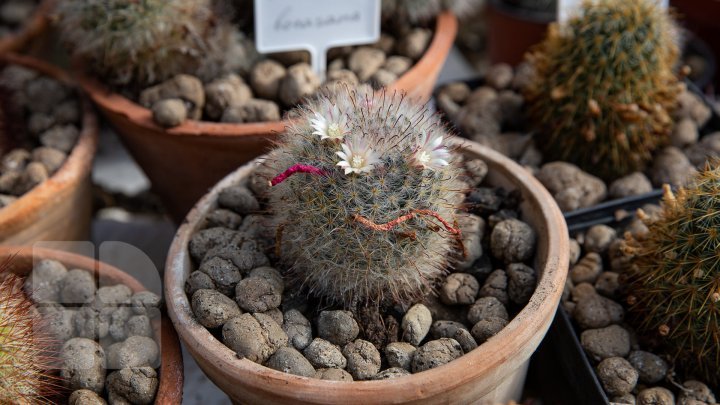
[
  {"x": 512, "y": 31},
  {"x": 185, "y": 161},
  {"x": 59, "y": 209},
  {"x": 494, "y": 372},
  {"x": 703, "y": 18},
  {"x": 37, "y": 24},
  {"x": 170, "y": 387}
]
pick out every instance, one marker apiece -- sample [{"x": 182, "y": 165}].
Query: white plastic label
[
  {"x": 315, "y": 26},
  {"x": 567, "y": 8}
]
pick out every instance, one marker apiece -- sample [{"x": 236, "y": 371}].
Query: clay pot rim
[
  {"x": 535, "y": 16},
  {"x": 76, "y": 163},
  {"x": 38, "y": 23},
  {"x": 443, "y": 38},
  {"x": 540, "y": 310},
  {"x": 170, "y": 383}
]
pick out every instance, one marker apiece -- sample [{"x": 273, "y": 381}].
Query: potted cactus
[
  {"x": 43, "y": 337},
  {"x": 357, "y": 212},
  {"x": 46, "y": 151},
  {"x": 141, "y": 44}
]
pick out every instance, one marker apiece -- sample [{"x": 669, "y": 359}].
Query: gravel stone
[
  {"x": 45, "y": 93},
  {"x": 416, "y": 324},
  {"x": 139, "y": 325},
  {"x": 487, "y": 307},
  {"x": 632, "y": 184},
  {"x": 198, "y": 281},
  {"x": 651, "y": 368},
  {"x": 390, "y": 373},
  {"x": 185, "y": 87},
  {"x": 612, "y": 341},
  {"x": 473, "y": 230},
  {"x": 93, "y": 323},
  {"x": 383, "y": 78},
  {"x": 400, "y": 354},
  {"x": 298, "y": 329},
  {"x": 337, "y": 327},
  {"x": 323, "y": 354},
  {"x": 226, "y": 91},
  {"x": 135, "y": 351},
  {"x": 690, "y": 105},
  {"x": 365, "y": 61},
  {"x": 607, "y": 284},
  {"x": 67, "y": 112},
  {"x": 224, "y": 274},
  {"x": 271, "y": 275},
  {"x": 486, "y": 328},
  {"x": 134, "y": 385},
  {"x": 118, "y": 319},
  {"x": 255, "y": 337},
  {"x": 83, "y": 365},
  {"x": 459, "y": 289},
  {"x": 238, "y": 199},
  {"x": 51, "y": 158},
  {"x": 45, "y": 281},
  {"x": 512, "y": 241},
  {"x": 499, "y": 76},
  {"x": 587, "y": 270},
  {"x": 707, "y": 147},
  {"x": 118, "y": 294},
  {"x": 617, "y": 375},
  {"x": 672, "y": 167},
  {"x": 363, "y": 359},
  {"x": 697, "y": 391},
  {"x": 34, "y": 174},
  {"x": 224, "y": 218},
  {"x": 59, "y": 321},
  {"x": 595, "y": 311},
  {"x": 521, "y": 283},
  {"x": 253, "y": 110},
  {"x": 212, "y": 309},
  {"x": 413, "y": 44},
  {"x": 300, "y": 82},
  {"x": 146, "y": 303},
  {"x": 444, "y": 329},
  {"x": 255, "y": 294},
  {"x": 496, "y": 286},
  {"x": 655, "y": 396},
  {"x": 582, "y": 291},
  {"x": 265, "y": 78},
  {"x": 85, "y": 397},
  {"x": 333, "y": 374},
  {"x": 169, "y": 112},
  {"x": 288, "y": 360},
  {"x": 624, "y": 399},
  {"x": 571, "y": 187},
  {"x": 398, "y": 65},
  {"x": 435, "y": 353},
  {"x": 77, "y": 287},
  {"x": 599, "y": 237}
]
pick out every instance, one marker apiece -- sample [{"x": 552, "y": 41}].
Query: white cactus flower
[
  {"x": 357, "y": 157},
  {"x": 332, "y": 126},
  {"x": 431, "y": 153}
]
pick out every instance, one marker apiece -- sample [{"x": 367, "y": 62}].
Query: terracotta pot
[
  {"x": 184, "y": 161},
  {"x": 170, "y": 387},
  {"x": 37, "y": 24},
  {"x": 512, "y": 31},
  {"x": 494, "y": 372},
  {"x": 703, "y": 18},
  {"x": 60, "y": 208}
]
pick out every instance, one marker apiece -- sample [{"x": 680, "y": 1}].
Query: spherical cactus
[
  {"x": 24, "y": 347},
  {"x": 140, "y": 42},
  {"x": 604, "y": 89},
  {"x": 369, "y": 215},
  {"x": 674, "y": 280}
]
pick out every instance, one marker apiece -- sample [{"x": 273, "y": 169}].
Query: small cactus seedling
[
  {"x": 604, "y": 89},
  {"x": 146, "y": 41},
  {"x": 24, "y": 347},
  {"x": 674, "y": 280},
  {"x": 368, "y": 201}
]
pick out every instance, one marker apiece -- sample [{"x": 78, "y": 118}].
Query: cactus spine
[
  {"x": 604, "y": 89},
  {"x": 674, "y": 280},
  {"x": 368, "y": 202},
  {"x": 24, "y": 347}
]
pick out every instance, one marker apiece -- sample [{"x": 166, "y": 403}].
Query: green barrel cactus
[
  {"x": 604, "y": 89},
  {"x": 674, "y": 277}
]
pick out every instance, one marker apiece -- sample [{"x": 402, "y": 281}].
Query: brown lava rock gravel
[{"x": 238, "y": 292}]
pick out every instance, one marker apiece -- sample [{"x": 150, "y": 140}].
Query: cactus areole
[{"x": 367, "y": 197}]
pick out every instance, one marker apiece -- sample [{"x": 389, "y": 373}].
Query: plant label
[
  {"x": 567, "y": 8},
  {"x": 315, "y": 26}
]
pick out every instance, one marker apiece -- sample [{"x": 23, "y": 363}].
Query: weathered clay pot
[
  {"x": 59, "y": 209},
  {"x": 492, "y": 373},
  {"x": 170, "y": 387},
  {"x": 37, "y": 24},
  {"x": 184, "y": 161},
  {"x": 512, "y": 31}
]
